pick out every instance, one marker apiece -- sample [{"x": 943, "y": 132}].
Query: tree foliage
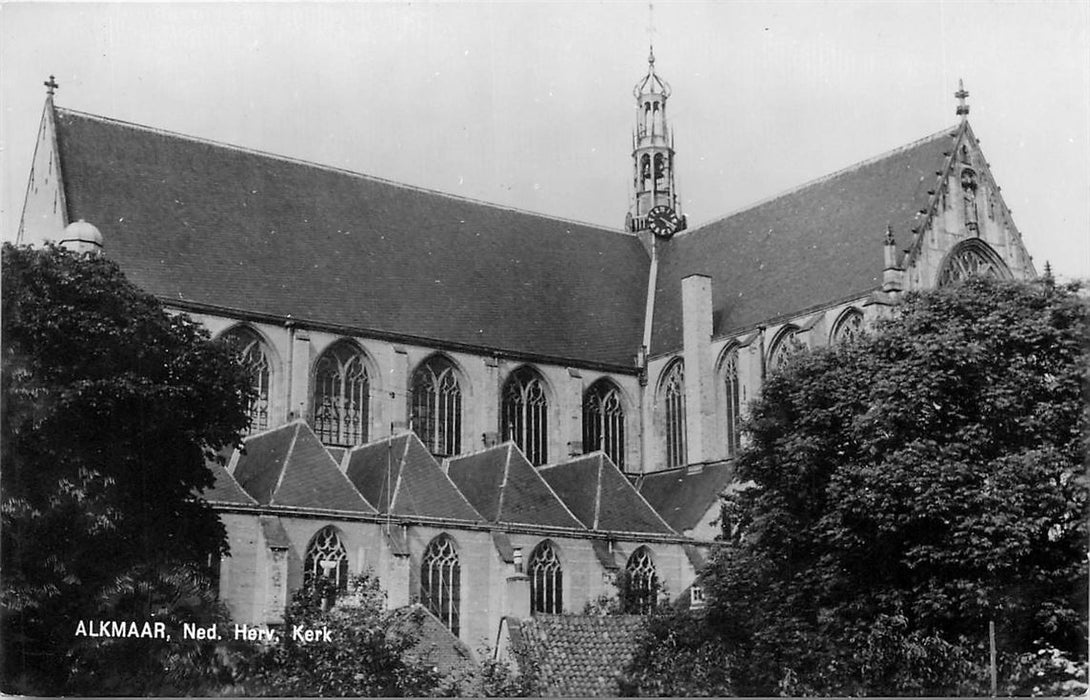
[
  {"x": 111, "y": 407},
  {"x": 904, "y": 490},
  {"x": 369, "y": 655}
]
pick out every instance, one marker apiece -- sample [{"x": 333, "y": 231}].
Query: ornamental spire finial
[
  {"x": 961, "y": 94},
  {"x": 51, "y": 86}
]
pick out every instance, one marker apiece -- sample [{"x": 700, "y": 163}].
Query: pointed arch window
[
  {"x": 643, "y": 583},
  {"x": 342, "y": 396},
  {"x": 441, "y": 582},
  {"x": 787, "y": 345},
  {"x": 732, "y": 401},
  {"x": 546, "y": 580},
  {"x": 848, "y": 325},
  {"x": 526, "y": 414},
  {"x": 972, "y": 257},
  {"x": 326, "y": 558},
  {"x": 673, "y": 396},
  {"x": 436, "y": 406},
  {"x": 603, "y": 421},
  {"x": 255, "y": 358}
]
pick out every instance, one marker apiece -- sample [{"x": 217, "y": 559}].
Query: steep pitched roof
[
  {"x": 435, "y": 644},
  {"x": 815, "y": 245},
  {"x": 399, "y": 476},
  {"x": 198, "y": 222},
  {"x": 226, "y": 489},
  {"x": 683, "y": 496},
  {"x": 288, "y": 466},
  {"x": 579, "y": 655},
  {"x": 505, "y": 488},
  {"x": 601, "y": 497}
]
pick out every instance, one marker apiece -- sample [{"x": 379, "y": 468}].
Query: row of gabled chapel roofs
[
  {"x": 287, "y": 470},
  {"x": 220, "y": 229}
]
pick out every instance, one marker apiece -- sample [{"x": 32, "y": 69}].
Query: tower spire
[{"x": 654, "y": 186}]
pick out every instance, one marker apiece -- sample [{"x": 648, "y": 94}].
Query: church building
[{"x": 498, "y": 412}]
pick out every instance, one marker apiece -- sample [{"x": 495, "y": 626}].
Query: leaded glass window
[
  {"x": 732, "y": 401},
  {"x": 643, "y": 582},
  {"x": 849, "y": 325},
  {"x": 787, "y": 345},
  {"x": 251, "y": 352},
  {"x": 526, "y": 414},
  {"x": 436, "y": 403},
  {"x": 603, "y": 421},
  {"x": 972, "y": 258},
  {"x": 546, "y": 580},
  {"x": 441, "y": 582},
  {"x": 342, "y": 394},
  {"x": 326, "y": 558},
  {"x": 673, "y": 397}
]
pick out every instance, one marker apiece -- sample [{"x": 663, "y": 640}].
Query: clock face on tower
[{"x": 663, "y": 221}]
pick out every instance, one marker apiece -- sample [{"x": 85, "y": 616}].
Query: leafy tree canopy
[
  {"x": 111, "y": 407},
  {"x": 904, "y": 490}
]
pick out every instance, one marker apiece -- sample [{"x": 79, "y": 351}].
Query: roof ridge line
[
  {"x": 284, "y": 467},
  {"x": 598, "y": 494},
  {"x": 400, "y": 477},
  {"x": 818, "y": 180},
  {"x": 503, "y": 484},
  {"x": 335, "y": 169}
]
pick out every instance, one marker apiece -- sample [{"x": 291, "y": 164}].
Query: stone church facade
[{"x": 497, "y": 411}]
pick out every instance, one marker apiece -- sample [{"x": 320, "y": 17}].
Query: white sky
[{"x": 529, "y": 104}]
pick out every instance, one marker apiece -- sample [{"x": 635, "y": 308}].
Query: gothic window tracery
[
  {"x": 526, "y": 414},
  {"x": 436, "y": 405},
  {"x": 441, "y": 582},
  {"x": 342, "y": 395},
  {"x": 254, "y": 357},
  {"x": 326, "y": 558},
  {"x": 848, "y": 325},
  {"x": 603, "y": 421},
  {"x": 732, "y": 400},
  {"x": 786, "y": 345},
  {"x": 972, "y": 257},
  {"x": 643, "y": 582},
  {"x": 546, "y": 580},
  {"x": 673, "y": 397}
]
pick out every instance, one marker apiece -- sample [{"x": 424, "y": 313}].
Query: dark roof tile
[
  {"x": 778, "y": 257},
  {"x": 194, "y": 221},
  {"x": 505, "y": 488},
  {"x": 684, "y": 496},
  {"x": 400, "y": 477},
  {"x": 289, "y": 466},
  {"x": 579, "y": 655},
  {"x": 226, "y": 489},
  {"x": 602, "y": 497}
]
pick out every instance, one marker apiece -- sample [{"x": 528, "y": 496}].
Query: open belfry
[{"x": 497, "y": 411}]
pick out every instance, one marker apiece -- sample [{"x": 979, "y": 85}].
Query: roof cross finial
[
  {"x": 961, "y": 94},
  {"x": 51, "y": 85}
]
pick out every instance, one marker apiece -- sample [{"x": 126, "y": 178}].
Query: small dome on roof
[
  {"x": 82, "y": 237},
  {"x": 83, "y": 231}
]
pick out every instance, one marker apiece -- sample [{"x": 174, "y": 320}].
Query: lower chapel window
[
  {"x": 546, "y": 581},
  {"x": 673, "y": 394},
  {"x": 643, "y": 582},
  {"x": 251, "y": 351},
  {"x": 786, "y": 346},
  {"x": 732, "y": 403},
  {"x": 526, "y": 414},
  {"x": 441, "y": 582},
  {"x": 342, "y": 392},
  {"x": 326, "y": 558},
  {"x": 603, "y": 421},
  {"x": 437, "y": 407},
  {"x": 849, "y": 325}
]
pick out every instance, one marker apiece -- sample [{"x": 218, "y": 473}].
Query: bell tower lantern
[{"x": 654, "y": 203}]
